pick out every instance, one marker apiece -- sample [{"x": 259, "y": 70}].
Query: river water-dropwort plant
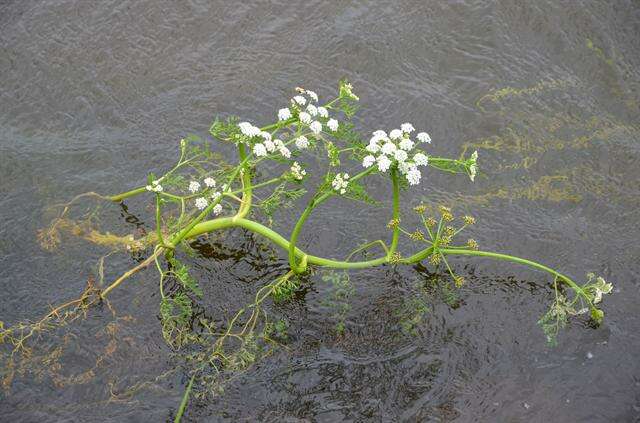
[{"x": 203, "y": 193}]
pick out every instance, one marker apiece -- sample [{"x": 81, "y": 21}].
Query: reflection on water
[{"x": 93, "y": 95}]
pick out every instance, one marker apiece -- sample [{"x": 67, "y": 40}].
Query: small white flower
[
  {"x": 333, "y": 124},
  {"x": 400, "y": 155},
  {"x": 383, "y": 163},
  {"x": 373, "y": 148},
  {"x": 340, "y": 182},
  {"x": 305, "y": 117},
  {"x": 300, "y": 100},
  {"x": 389, "y": 148},
  {"x": 259, "y": 150},
  {"x": 323, "y": 112},
  {"x": 284, "y": 151},
  {"x": 406, "y": 144},
  {"x": 302, "y": 142},
  {"x": 407, "y": 128},
  {"x": 424, "y": 137},
  {"x": 405, "y": 167},
  {"x": 312, "y": 94},
  {"x": 312, "y": 110},
  {"x": 421, "y": 159},
  {"x": 217, "y": 209},
  {"x": 395, "y": 134},
  {"x": 378, "y": 136},
  {"x": 248, "y": 129},
  {"x": 201, "y": 203},
  {"x": 215, "y": 195},
  {"x": 368, "y": 161},
  {"x": 154, "y": 187},
  {"x": 210, "y": 182},
  {"x": 413, "y": 177},
  {"x": 474, "y": 155},
  {"x": 297, "y": 171},
  {"x": 279, "y": 144},
  {"x": 316, "y": 127},
  {"x": 194, "y": 186},
  {"x": 284, "y": 114},
  {"x": 265, "y": 135},
  {"x": 270, "y": 146}
]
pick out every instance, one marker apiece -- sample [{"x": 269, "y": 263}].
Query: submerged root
[{"x": 18, "y": 334}]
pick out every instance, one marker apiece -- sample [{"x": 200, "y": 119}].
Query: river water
[{"x": 93, "y": 95}]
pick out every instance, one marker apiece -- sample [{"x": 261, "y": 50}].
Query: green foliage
[
  {"x": 278, "y": 329},
  {"x": 333, "y": 154},
  {"x": 280, "y": 198},
  {"x": 181, "y": 273},
  {"x": 412, "y": 314},
  {"x": 340, "y": 294},
  {"x": 585, "y": 299},
  {"x": 357, "y": 192},
  {"x": 285, "y": 288},
  {"x": 175, "y": 315},
  {"x": 227, "y": 130},
  {"x": 555, "y": 318}
]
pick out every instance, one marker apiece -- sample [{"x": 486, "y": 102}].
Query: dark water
[{"x": 95, "y": 94}]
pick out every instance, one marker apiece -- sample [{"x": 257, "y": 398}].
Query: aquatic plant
[{"x": 203, "y": 193}]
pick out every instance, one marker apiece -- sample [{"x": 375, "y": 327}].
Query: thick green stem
[
  {"x": 280, "y": 241},
  {"x": 124, "y": 195},
  {"x": 245, "y": 177},
  {"x": 396, "y": 213}
]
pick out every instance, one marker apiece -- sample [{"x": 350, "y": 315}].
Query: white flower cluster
[
  {"x": 297, "y": 171},
  {"x": 194, "y": 186},
  {"x": 266, "y": 145},
  {"x": 154, "y": 187},
  {"x": 340, "y": 182},
  {"x": 201, "y": 203},
  {"x": 309, "y": 113},
  {"x": 269, "y": 146},
  {"x": 395, "y": 148}
]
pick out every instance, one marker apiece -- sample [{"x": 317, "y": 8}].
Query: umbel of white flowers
[
  {"x": 340, "y": 182},
  {"x": 398, "y": 148},
  {"x": 309, "y": 115}
]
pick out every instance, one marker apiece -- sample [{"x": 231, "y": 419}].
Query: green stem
[
  {"x": 185, "y": 400},
  {"x": 315, "y": 202},
  {"x": 279, "y": 240},
  {"x": 506, "y": 257},
  {"x": 246, "y": 184},
  {"x": 124, "y": 195},
  {"x": 159, "y": 222},
  {"x": 396, "y": 212}
]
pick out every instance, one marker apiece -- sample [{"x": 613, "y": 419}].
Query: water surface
[{"x": 95, "y": 94}]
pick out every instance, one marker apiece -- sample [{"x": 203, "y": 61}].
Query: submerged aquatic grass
[{"x": 203, "y": 193}]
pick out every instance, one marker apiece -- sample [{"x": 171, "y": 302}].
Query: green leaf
[
  {"x": 597, "y": 315},
  {"x": 181, "y": 272}
]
